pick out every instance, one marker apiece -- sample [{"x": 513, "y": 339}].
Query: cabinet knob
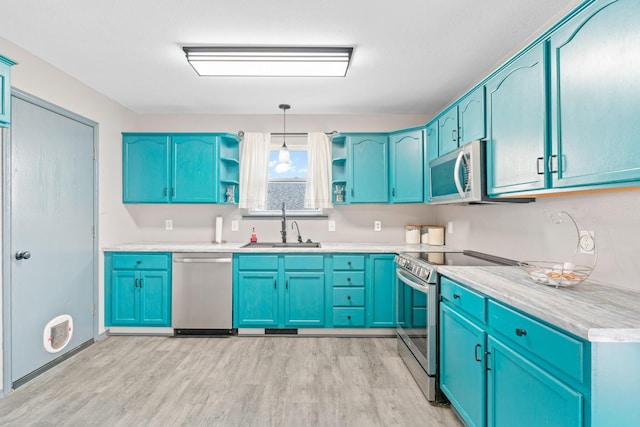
[
  {"x": 521, "y": 332},
  {"x": 348, "y": 317},
  {"x": 456, "y": 296},
  {"x": 348, "y": 297},
  {"x": 138, "y": 262},
  {"x": 348, "y": 279},
  {"x": 349, "y": 263}
]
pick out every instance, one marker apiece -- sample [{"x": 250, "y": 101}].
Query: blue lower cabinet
[
  {"x": 137, "y": 289},
  {"x": 381, "y": 292},
  {"x": 519, "y": 393},
  {"x": 291, "y": 294}
]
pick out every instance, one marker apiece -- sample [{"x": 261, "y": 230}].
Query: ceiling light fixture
[
  {"x": 269, "y": 61},
  {"x": 283, "y": 155}
]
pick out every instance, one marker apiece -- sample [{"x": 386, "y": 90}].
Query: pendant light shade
[{"x": 283, "y": 155}]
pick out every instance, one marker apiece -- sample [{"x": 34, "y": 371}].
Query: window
[{"x": 287, "y": 183}]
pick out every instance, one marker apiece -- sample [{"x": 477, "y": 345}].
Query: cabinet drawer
[
  {"x": 257, "y": 262},
  {"x": 348, "y": 297},
  {"x": 303, "y": 262},
  {"x": 348, "y": 278},
  {"x": 348, "y": 316},
  {"x": 140, "y": 261},
  {"x": 463, "y": 298},
  {"x": 348, "y": 262},
  {"x": 555, "y": 347}
]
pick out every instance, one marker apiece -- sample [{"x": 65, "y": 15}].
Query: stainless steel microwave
[{"x": 458, "y": 177}]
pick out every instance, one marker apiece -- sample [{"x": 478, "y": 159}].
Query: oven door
[{"x": 417, "y": 319}]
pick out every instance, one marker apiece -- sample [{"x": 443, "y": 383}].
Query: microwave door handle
[{"x": 456, "y": 173}]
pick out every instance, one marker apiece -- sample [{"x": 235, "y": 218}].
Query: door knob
[{"x": 23, "y": 255}]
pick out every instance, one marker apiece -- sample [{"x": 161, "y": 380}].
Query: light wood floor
[{"x": 238, "y": 381}]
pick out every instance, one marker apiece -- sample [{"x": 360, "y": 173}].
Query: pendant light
[{"x": 283, "y": 156}]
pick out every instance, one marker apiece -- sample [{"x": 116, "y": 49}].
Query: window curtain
[
  {"x": 254, "y": 170},
  {"x": 318, "y": 192}
]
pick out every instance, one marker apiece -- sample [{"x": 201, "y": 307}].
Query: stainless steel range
[{"x": 418, "y": 295}]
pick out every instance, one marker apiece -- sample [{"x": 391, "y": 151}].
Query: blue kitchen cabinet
[
  {"x": 431, "y": 147},
  {"x": 137, "y": 289},
  {"x": 407, "y": 166},
  {"x": 5, "y": 91},
  {"x": 520, "y": 393},
  {"x": 279, "y": 291},
  {"x": 145, "y": 168},
  {"x": 462, "y": 347},
  {"x": 448, "y": 131},
  {"x": 339, "y": 174},
  {"x": 349, "y": 280},
  {"x": 462, "y": 122},
  {"x": 257, "y": 299},
  {"x": 594, "y": 96},
  {"x": 369, "y": 174},
  {"x": 381, "y": 292},
  {"x": 516, "y": 125},
  {"x": 180, "y": 168},
  {"x": 194, "y": 177},
  {"x": 304, "y": 299}
]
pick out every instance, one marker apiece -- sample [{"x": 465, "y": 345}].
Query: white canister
[
  {"x": 436, "y": 236},
  {"x": 412, "y": 234},
  {"x": 424, "y": 234}
]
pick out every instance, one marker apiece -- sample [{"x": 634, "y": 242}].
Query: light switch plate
[
  {"x": 331, "y": 225},
  {"x": 168, "y": 224}
]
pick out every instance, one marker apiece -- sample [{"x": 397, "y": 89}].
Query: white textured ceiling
[{"x": 411, "y": 56}]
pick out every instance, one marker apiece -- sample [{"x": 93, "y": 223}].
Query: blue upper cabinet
[
  {"x": 369, "y": 159},
  {"x": 180, "y": 168},
  {"x": 471, "y": 117},
  {"x": 145, "y": 168},
  {"x": 516, "y": 125},
  {"x": 594, "y": 96},
  {"x": 5, "y": 90},
  {"x": 431, "y": 147},
  {"x": 194, "y": 175},
  {"x": 448, "y": 131},
  {"x": 407, "y": 164}
]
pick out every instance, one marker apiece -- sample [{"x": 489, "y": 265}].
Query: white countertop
[
  {"x": 238, "y": 247},
  {"x": 591, "y": 310}
]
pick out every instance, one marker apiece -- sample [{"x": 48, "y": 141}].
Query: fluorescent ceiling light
[{"x": 263, "y": 61}]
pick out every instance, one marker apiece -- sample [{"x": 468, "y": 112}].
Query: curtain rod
[{"x": 241, "y": 133}]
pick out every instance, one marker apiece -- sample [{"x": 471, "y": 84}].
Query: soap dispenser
[{"x": 254, "y": 238}]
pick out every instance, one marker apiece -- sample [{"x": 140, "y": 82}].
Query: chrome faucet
[
  {"x": 283, "y": 231},
  {"x": 297, "y": 228}
]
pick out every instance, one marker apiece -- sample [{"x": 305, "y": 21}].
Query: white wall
[{"x": 526, "y": 232}]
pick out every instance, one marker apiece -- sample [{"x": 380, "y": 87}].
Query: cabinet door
[
  {"x": 124, "y": 299},
  {"x": 370, "y": 169},
  {"x": 516, "y": 116},
  {"x": 448, "y": 131},
  {"x": 145, "y": 169},
  {"x": 381, "y": 292},
  {"x": 258, "y": 299},
  {"x": 462, "y": 374},
  {"x": 431, "y": 146},
  {"x": 195, "y": 169},
  {"x": 155, "y": 298},
  {"x": 519, "y": 393},
  {"x": 407, "y": 162},
  {"x": 594, "y": 96},
  {"x": 304, "y": 304},
  {"x": 5, "y": 91},
  {"x": 471, "y": 118}
]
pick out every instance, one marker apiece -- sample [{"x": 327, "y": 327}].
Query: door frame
[{"x": 7, "y": 229}]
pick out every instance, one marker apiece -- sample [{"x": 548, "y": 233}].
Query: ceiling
[{"x": 411, "y": 56}]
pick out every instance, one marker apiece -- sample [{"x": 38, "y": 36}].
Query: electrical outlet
[
  {"x": 234, "y": 225},
  {"x": 377, "y": 226},
  {"x": 168, "y": 224},
  {"x": 587, "y": 242},
  {"x": 331, "y": 225},
  {"x": 450, "y": 227}
]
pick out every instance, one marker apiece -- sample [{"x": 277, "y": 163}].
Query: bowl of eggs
[
  {"x": 555, "y": 274},
  {"x": 567, "y": 273}
]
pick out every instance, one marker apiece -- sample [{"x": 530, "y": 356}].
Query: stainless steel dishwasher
[{"x": 202, "y": 294}]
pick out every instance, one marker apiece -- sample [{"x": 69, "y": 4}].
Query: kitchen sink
[{"x": 282, "y": 245}]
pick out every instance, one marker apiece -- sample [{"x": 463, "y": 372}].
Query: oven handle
[{"x": 408, "y": 279}]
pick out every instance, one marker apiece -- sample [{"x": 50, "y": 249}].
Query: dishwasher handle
[{"x": 203, "y": 260}]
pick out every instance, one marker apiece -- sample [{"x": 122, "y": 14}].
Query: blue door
[
  {"x": 52, "y": 217},
  {"x": 370, "y": 169},
  {"x": 145, "y": 169},
  {"x": 304, "y": 299},
  {"x": 407, "y": 166},
  {"x": 195, "y": 171}
]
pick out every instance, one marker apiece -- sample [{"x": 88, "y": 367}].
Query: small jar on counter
[{"x": 412, "y": 234}]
